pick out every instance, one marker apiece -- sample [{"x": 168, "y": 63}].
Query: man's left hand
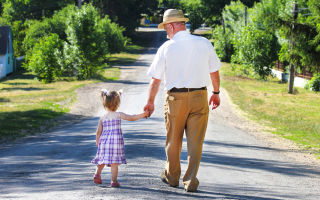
[{"x": 215, "y": 100}]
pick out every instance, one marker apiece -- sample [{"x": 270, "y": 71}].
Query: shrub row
[
  {"x": 72, "y": 42},
  {"x": 254, "y": 38}
]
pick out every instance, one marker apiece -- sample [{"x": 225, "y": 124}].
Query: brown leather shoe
[
  {"x": 189, "y": 190},
  {"x": 165, "y": 180}
]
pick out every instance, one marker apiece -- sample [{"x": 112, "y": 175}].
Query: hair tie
[{"x": 105, "y": 92}]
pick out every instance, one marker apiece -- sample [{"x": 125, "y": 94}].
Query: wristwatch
[{"x": 216, "y": 92}]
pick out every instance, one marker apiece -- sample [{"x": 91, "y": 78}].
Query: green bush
[
  {"x": 42, "y": 60},
  {"x": 112, "y": 35},
  {"x": 19, "y": 32},
  {"x": 86, "y": 47},
  {"x": 86, "y": 40},
  {"x": 315, "y": 82},
  {"x": 257, "y": 49},
  {"x": 37, "y": 29},
  {"x": 223, "y": 43},
  {"x": 195, "y": 10},
  {"x": 56, "y": 24},
  {"x": 233, "y": 18}
]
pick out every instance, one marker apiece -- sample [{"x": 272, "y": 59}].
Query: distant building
[{"x": 6, "y": 51}]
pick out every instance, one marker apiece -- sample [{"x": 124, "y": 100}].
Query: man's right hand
[{"x": 150, "y": 108}]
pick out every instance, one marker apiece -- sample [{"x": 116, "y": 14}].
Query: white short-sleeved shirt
[{"x": 185, "y": 61}]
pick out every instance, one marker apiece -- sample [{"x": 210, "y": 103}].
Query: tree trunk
[{"x": 291, "y": 79}]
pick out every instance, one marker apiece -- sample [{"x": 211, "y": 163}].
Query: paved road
[{"x": 235, "y": 165}]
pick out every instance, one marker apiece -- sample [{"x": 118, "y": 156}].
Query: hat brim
[{"x": 161, "y": 25}]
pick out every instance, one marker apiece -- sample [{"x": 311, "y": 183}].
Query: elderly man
[{"x": 185, "y": 64}]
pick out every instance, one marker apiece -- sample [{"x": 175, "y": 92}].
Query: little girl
[{"x": 109, "y": 137}]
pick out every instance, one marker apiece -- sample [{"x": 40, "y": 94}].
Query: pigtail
[
  {"x": 103, "y": 94},
  {"x": 120, "y": 92},
  {"x": 110, "y": 99}
]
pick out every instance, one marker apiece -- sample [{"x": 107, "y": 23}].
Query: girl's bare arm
[
  {"x": 133, "y": 117},
  {"x": 98, "y": 132}
]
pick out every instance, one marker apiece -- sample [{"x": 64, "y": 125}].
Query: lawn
[
  {"x": 27, "y": 106},
  {"x": 295, "y": 117}
]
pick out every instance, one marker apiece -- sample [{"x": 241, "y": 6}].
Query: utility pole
[
  {"x": 79, "y": 4},
  {"x": 291, "y": 43}
]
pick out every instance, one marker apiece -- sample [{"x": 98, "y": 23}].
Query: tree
[
  {"x": 232, "y": 23},
  {"x": 166, "y": 4},
  {"x": 249, "y": 3},
  {"x": 55, "y": 24},
  {"x": 213, "y": 9},
  {"x": 112, "y": 33},
  {"x": 314, "y": 19},
  {"x": 299, "y": 32},
  {"x": 257, "y": 49},
  {"x": 1, "y": 3},
  {"x": 126, "y": 13},
  {"x": 86, "y": 39},
  {"x": 31, "y": 9},
  {"x": 18, "y": 13},
  {"x": 199, "y": 11},
  {"x": 194, "y": 11},
  {"x": 42, "y": 59},
  {"x": 19, "y": 33},
  {"x": 86, "y": 46},
  {"x": 223, "y": 43},
  {"x": 233, "y": 16}
]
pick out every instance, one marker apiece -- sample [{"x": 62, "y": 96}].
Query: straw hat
[{"x": 172, "y": 15}]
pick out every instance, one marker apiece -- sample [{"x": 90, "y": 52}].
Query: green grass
[
  {"x": 28, "y": 106},
  {"x": 130, "y": 55},
  {"x": 295, "y": 117}
]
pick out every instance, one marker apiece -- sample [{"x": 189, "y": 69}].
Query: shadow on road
[{"x": 274, "y": 166}]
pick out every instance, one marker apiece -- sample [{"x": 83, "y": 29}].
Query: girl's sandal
[
  {"x": 115, "y": 184},
  {"x": 97, "y": 179}
]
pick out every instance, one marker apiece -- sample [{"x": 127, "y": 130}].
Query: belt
[{"x": 186, "y": 89}]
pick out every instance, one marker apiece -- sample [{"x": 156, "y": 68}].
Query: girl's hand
[
  {"x": 97, "y": 143},
  {"x": 98, "y": 133},
  {"x": 146, "y": 114},
  {"x": 149, "y": 108}
]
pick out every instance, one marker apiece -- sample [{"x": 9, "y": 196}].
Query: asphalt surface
[{"x": 234, "y": 165}]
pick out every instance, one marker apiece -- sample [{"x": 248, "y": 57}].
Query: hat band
[{"x": 175, "y": 19}]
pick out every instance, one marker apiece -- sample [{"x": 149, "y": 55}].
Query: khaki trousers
[{"x": 185, "y": 111}]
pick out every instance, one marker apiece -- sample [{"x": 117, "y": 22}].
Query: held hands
[
  {"x": 146, "y": 114},
  {"x": 215, "y": 100},
  {"x": 149, "y": 108}
]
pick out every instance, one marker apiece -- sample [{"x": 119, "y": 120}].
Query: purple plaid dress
[{"x": 111, "y": 144}]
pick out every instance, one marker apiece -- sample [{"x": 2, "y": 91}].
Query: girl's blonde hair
[{"x": 111, "y": 99}]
